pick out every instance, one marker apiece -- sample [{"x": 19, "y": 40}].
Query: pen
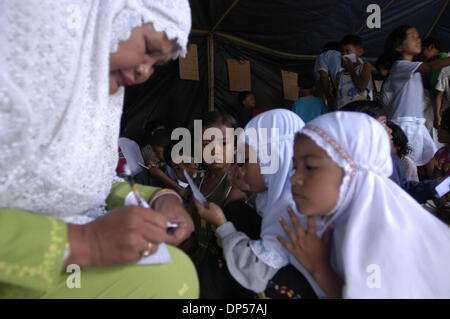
[{"x": 139, "y": 199}]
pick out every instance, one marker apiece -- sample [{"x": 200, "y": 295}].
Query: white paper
[
  {"x": 182, "y": 184},
  {"x": 143, "y": 166},
  {"x": 161, "y": 256},
  {"x": 443, "y": 187},
  {"x": 195, "y": 191},
  {"x": 351, "y": 57},
  {"x": 130, "y": 200}
]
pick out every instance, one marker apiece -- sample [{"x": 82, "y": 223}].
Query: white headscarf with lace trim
[
  {"x": 273, "y": 140},
  {"x": 384, "y": 244},
  {"x": 59, "y": 126}
]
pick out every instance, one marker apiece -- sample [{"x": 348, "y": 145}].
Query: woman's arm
[
  {"x": 32, "y": 249},
  {"x": 434, "y": 65}
]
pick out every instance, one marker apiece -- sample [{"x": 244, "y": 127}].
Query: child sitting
[
  {"x": 401, "y": 148},
  {"x": 441, "y": 159},
  {"x": 215, "y": 280},
  {"x": 254, "y": 263},
  {"x": 355, "y": 82},
  {"x": 421, "y": 191},
  {"x": 148, "y": 154},
  {"x": 248, "y": 107},
  {"x": 308, "y": 106},
  {"x": 383, "y": 243},
  {"x": 160, "y": 171}
]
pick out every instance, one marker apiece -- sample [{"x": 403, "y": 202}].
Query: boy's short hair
[
  {"x": 399, "y": 139},
  {"x": 305, "y": 80},
  {"x": 445, "y": 120},
  {"x": 431, "y": 41},
  {"x": 371, "y": 108},
  {"x": 243, "y": 95},
  {"x": 352, "y": 39},
  {"x": 161, "y": 138}
]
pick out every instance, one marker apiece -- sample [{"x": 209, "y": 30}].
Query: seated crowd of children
[{"x": 351, "y": 210}]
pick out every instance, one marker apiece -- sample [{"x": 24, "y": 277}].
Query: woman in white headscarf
[
  {"x": 59, "y": 62},
  {"x": 384, "y": 244},
  {"x": 268, "y": 165}
]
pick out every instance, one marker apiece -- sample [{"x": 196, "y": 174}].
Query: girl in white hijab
[
  {"x": 59, "y": 61},
  {"x": 269, "y": 136},
  {"x": 384, "y": 244}
]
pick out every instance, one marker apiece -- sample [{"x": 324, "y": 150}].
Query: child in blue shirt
[{"x": 308, "y": 106}]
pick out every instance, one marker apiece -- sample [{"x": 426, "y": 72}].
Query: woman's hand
[
  {"x": 117, "y": 238},
  {"x": 236, "y": 179},
  {"x": 212, "y": 213},
  {"x": 171, "y": 207},
  {"x": 311, "y": 251}
]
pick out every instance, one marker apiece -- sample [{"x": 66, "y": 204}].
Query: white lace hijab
[
  {"x": 276, "y": 170},
  {"x": 59, "y": 131},
  {"x": 384, "y": 245}
]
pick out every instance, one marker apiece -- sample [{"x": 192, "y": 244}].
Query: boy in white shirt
[{"x": 355, "y": 82}]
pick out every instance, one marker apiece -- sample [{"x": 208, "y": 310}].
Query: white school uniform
[{"x": 402, "y": 96}]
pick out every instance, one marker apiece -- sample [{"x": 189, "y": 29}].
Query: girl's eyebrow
[{"x": 314, "y": 156}]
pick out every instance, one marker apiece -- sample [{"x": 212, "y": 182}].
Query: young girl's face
[
  {"x": 316, "y": 182},
  {"x": 251, "y": 171},
  {"x": 220, "y": 148},
  {"x": 412, "y": 45},
  {"x": 135, "y": 58}
]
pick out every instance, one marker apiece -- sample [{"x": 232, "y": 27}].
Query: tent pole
[
  {"x": 437, "y": 19},
  {"x": 211, "y": 71}
]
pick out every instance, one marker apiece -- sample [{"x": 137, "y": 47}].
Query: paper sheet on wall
[
  {"x": 239, "y": 75},
  {"x": 189, "y": 64},
  {"x": 290, "y": 87}
]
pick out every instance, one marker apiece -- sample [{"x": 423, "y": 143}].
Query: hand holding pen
[{"x": 138, "y": 197}]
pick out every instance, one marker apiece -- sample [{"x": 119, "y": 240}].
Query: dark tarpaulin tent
[{"x": 273, "y": 35}]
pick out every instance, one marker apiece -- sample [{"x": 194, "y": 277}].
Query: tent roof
[
  {"x": 273, "y": 35},
  {"x": 303, "y": 27}
]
